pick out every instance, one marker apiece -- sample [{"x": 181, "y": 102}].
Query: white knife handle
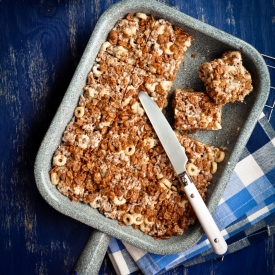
[{"x": 205, "y": 218}]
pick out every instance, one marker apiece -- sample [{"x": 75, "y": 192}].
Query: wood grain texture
[{"x": 41, "y": 44}]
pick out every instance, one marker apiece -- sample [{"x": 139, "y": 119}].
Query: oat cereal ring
[
  {"x": 145, "y": 228},
  {"x": 147, "y": 222},
  {"x": 128, "y": 219},
  {"x": 138, "y": 218},
  {"x": 167, "y": 50},
  {"x": 150, "y": 142},
  {"x": 59, "y": 160},
  {"x": 118, "y": 201},
  {"x": 214, "y": 167},
  {"x": 106, "y": 206},
  {"x": 130, "y": 150},
  {"x": 79, "y": 112},
  {"x": 165, "y": 184},
  {"x": 78, "y": 190},
  {"x": 174, "y": 188},
  {"x": 96, "y": 70},
  {"x": 182, "y": 203},
  {"x": 96, "y": 203},
  {"x": 141, "y": 15},
  {"x": 192, "y": 169},
  {"x": 54, "y": 178},
  {"x": 220, "y": 156},
  {"x": 91, "y": 92},
  {"x": 137, "y": 109},
  {"x": 105, "y": 45},
  {"x": 83, "y": 141},
  {"x": 169, "y": 193}
]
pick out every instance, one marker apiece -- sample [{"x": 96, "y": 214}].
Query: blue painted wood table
[{"x": 41, "y": 44}]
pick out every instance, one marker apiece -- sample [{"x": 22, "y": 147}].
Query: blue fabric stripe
[
  {"x": 255, "y": 142},
  {"x": 248, "y": 202},
  {"x": 271, "y": 176},
  {"x": 234, "y": 186},
  {"x": 265, "y": 157},
  {"x": 264, "y": 184},
  {"x": 146, "y": 263},
  {"x": 115, "y": 245}
]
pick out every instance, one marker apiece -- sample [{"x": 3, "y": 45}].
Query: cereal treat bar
[
  {"x": 195, "y": 111},
  {"x": 202, "y": 162},
  {"x": 105, "y": 89},
  {"x": 226, "y": 79},
  {"x": 127, "y": 40},
  {"x": 166, "y": 48}
]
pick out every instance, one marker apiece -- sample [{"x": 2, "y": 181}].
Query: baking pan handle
[{"x": 91, "y": 257}]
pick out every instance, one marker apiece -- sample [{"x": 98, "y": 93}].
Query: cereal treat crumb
[
  {"x": 226, "y": 79},
  {"x": 195, "y": 111}
]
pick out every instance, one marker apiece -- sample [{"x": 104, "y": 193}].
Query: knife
[{"x": 179, "y": 159}]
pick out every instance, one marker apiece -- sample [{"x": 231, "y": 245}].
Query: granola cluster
[{"x": 110, "y": 156}]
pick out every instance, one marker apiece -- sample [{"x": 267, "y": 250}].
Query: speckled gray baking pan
[{"x": 238, "y": 119}]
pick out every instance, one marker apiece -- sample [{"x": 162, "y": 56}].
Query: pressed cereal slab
[{"x": 238, "y": 119}]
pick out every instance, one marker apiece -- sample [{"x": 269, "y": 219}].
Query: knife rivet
[
  {"x": 216, "y": 240},
  {"x": 192, "y": 196}
]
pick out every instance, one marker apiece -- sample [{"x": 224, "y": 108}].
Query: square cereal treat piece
[
  {"x": 203, "y": 160},
  {"x": 195, "y": 111},
  {"x": 226, "y": 79},
  {"x": 112, "y": 72},
  {"x": 128, "y": 38},
  {"x": 165, "y": 50}
]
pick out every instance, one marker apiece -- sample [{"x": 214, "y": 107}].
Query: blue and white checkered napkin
[{"x": 248, "y": 200}]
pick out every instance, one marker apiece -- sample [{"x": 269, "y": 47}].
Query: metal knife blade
[
  {"x": 165, "y": 134},
  {"x": 178, "y": 159}
]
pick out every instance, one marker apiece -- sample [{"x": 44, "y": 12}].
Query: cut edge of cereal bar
[{"x": 195, "y": 110}]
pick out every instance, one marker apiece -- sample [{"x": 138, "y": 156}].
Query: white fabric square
[
  {"x": 224, "y": 233},
  {"x": 248, "y": 170},
  {"x": 258, "y": 214},
  {"x": 119, "y": 263},
  {"x": 135, "y": 252},
  {"x": 221, "y": 201},
  {"x": 261, "y": 115}
]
